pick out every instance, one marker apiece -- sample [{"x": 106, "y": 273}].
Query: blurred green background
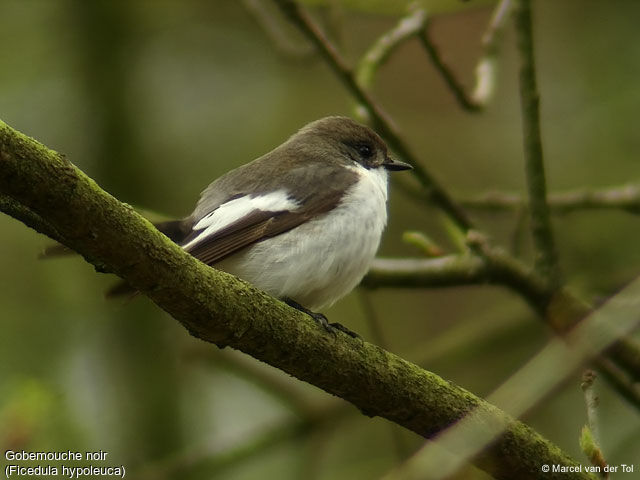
[{"x": 154, "y": 99}]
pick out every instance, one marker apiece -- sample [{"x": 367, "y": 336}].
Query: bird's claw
[{"x": 322, "y": 320}]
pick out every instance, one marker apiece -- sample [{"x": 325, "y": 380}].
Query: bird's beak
[{"x": 395, "y": 165}]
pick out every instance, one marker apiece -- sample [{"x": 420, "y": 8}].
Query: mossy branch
[{"x": 220, "y": 309}]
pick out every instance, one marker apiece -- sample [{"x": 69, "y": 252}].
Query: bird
[{"x": 302, "y": 222}]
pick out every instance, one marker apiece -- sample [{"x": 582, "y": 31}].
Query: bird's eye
[{"x": 364, "y": 150}]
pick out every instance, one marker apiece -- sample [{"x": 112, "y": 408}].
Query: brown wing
[{"x": 254, "y": 227}]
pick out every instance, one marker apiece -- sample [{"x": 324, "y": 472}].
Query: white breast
[{"x": 323, "y": 259}]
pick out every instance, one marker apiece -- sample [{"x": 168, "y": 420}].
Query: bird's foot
[
  {"x": 322, "y": 319},
  {"x": 343, "y": 329}
]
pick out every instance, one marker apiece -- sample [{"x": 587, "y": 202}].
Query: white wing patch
[{"x": 235, "y": 209}]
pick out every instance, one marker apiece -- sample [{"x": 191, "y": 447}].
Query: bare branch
[
  {"x": 407, "y": 28},
  {"x": 268, "y": 21},
  {"x": 590, "y": 438},
  {"x": 496, "y": 268},
  {"x": 485, "y": 71},
  {"x": 626, "y": 198},
  {"x": 466, "y": 102},
  {"x": 546, "y": 256}
]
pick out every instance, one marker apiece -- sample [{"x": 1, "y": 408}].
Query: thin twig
[
  {"x": 457, "y": 270},
  {"x": 485, "y": 71},
  {"x": 546, "y": 256},
  {"x": 626, "y": 198},
  {"x": 269, "y": 24},
  {"x": 423, "y": 243},
  {"x": 484, "y": 86},
  {"x": 416, "y": 24},
  {"x": 447, "y": 74},
  {"x": 590, "y": 438},
  {"x": 626, "y": 353},
  {"x": 617, "y": 377},
  {"x": 494, "y": 30},
  {"x": 379, "y": 119},
  {"x": 592, "y": 401},
  {"x": 407, "y": 28}
]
